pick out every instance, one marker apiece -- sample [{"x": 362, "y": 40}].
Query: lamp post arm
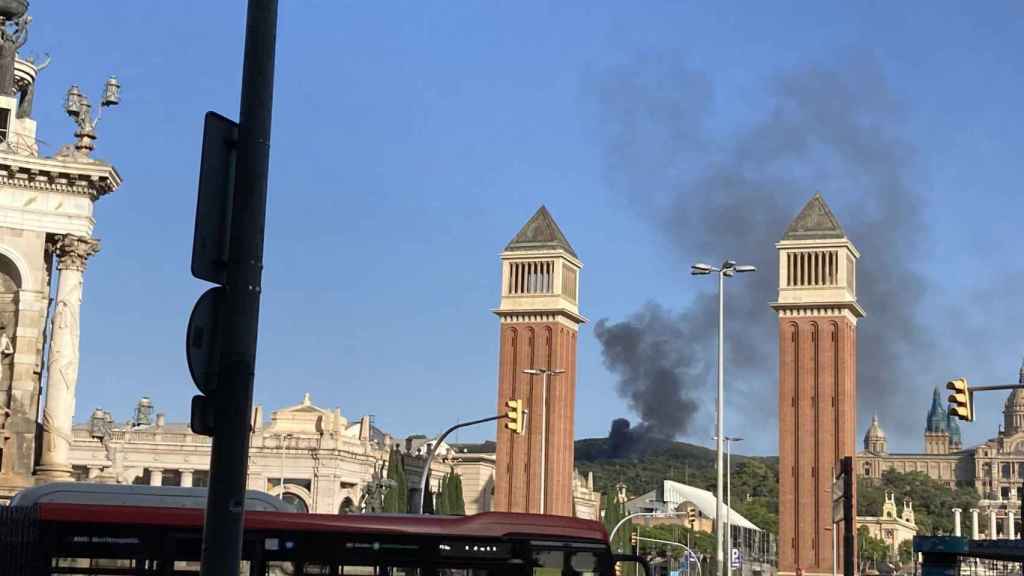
[
  {"x": 671, "y": 543},
  {"x": 433, "y": 448}
]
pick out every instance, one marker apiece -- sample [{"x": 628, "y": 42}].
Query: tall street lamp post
[
  {"x": 546, "y": 373},
  {"x": 728, "y": 269}
]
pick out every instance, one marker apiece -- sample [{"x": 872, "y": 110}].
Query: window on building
[
  {"x": 1005, "y": 492},
  {"x": 1006, "y": 471},
  {"x": 867, "y": 469},
  {"x": 5, "y": 118},
  {"x": 986, "y": 471},
  {"x": 201, "y": 478}
]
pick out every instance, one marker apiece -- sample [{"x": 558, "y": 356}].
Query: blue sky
[{"x": 412, "y": 140}]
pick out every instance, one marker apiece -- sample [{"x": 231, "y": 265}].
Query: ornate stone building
[
  {"x": 46, "y": 224},
  {"x": 818, "y": 314},
  {"x": 994, "y": 468},
  {"x": 540, "y": 321},
  {"x": 313, "y": 457},
  {"x": 891, "y": 527}
]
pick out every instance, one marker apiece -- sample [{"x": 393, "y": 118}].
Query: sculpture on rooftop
[{"x": 13, "y": 35}]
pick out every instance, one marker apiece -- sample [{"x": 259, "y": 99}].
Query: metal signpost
[{"x": 228, "y": 251}]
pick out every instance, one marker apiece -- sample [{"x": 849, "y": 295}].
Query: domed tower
[
  {"x": 936, "y": 431},
  {"x": 874, "y": 439},
  {"x": 1013, "y": 411}
]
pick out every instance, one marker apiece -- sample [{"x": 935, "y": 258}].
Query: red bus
[{"x": 49, "y": 538}]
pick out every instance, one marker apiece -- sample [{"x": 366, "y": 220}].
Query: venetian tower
[
  {"x": 540, "y": 322},
  {"x": 818, "y": 313},
  {"x": 46, "y": 225}
]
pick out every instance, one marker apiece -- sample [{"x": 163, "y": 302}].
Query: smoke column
[{"x": 717, "y": 194}]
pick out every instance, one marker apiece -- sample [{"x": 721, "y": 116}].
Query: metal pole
[
  {"x": 720, "y": 566},
  {"x": 283, "y": 437},
  {"x": 239, "y": 316},
  {"x": 425, "y": 475},
  {"x": 544, "y": 439},
  {"x": 728, "y": 499}
]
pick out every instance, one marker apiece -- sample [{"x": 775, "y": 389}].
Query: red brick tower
[
  {"x": 818, "y": 314},
  {"x": 540, "y": 321}
]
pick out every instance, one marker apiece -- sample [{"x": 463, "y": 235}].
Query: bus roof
[
  {"x": 137, "y": 495},
  {"x": 485, "y": 525}
]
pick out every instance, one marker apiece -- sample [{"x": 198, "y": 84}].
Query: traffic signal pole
[
  {"x": 425, "y": 475},
  {"x": 231, "y": 398}
]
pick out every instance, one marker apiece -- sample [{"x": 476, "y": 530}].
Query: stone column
[
  {"x": 62, "y": 363},
  {"x": 186, "y": 478},
  {"x": 956, "y": 521},
  {"x": 992, "y": 527},
  {"x": 975, "y": 530},
  {"x": 1009, "y": 525},
  {"x": 156, "y": 476},
  {"x": 94, "y": 472}
]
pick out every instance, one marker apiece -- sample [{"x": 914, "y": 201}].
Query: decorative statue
[
  {"x": 6, "y": 348},
  {"x": 13, "y": 35}
]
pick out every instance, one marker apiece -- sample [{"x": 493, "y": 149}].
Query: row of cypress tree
[{"x": 396, "y": 500}]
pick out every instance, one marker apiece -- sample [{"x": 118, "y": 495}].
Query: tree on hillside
[
  {"x": 871, "y": 551},
  {"x": 396, "y": 499},
  {"x": 932, "y": 499}
]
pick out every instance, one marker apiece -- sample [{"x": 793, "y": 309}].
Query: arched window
[
  {"x": 296, "y": 501},
  {"x": 347, "y": 506}
]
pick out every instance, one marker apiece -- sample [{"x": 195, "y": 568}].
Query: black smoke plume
[{"x": 730, "y": 193}]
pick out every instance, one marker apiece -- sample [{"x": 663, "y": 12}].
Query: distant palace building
[
  {"x": 995, "y": 468},
  {"x": 313, "y": 457}
]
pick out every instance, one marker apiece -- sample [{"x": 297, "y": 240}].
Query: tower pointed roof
[
  {"x": 937, "y": 420},
  {"x": 540, "y": 233},
  {"x": 815, "y": 222}
]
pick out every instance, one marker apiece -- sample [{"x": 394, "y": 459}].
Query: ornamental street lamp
[
  {"x": 728, "y": 269},
  {"x": 77, "y": 106}
]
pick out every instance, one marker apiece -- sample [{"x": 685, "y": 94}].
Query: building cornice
[
  {"x": 80, "y": 178},
  {"x": 804, "y": 309},
  {"x": 538, "y": 315}
]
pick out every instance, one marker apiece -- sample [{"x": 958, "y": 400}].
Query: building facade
[
  {"x": 892, "y": 527},
  {"x": 818, "y": 313},
  {"x": 46, "y": 225},
  {"x": 313, "y": 457},
  {"x": 540, "y": 321}
]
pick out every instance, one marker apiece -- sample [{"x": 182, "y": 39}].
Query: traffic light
[
  {"x": 515, "y": 421},
  {"x": 691, "y": 516},
  {"x": 961, "y": 400},
  {"x": 634, "y": 539}
]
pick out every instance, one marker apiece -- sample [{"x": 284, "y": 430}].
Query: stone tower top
[
  {"x": 817, "y": 265},
  {"x": 874, "y": 439},
  {"x": 540, "y": 274}
]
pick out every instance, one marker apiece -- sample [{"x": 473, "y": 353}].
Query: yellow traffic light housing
[
  {"x": 961, "y": 400},
  {"x": 634, "y": 539},
  {"x": 515, "y": 421},
  {"x": 691, "y": 515}
]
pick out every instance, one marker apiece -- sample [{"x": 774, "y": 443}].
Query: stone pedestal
[{"x": 62, "y": 365}]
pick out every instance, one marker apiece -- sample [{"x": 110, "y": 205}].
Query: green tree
[
  {"x": 932, "y": 499},
  {"x": 871, "y": 550},
  {"x": 396, "y": 499},
  {"x": 614, "y": 512},
  {"x": 906, "y": 552},
  {"x": 450, "y": 500}
]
